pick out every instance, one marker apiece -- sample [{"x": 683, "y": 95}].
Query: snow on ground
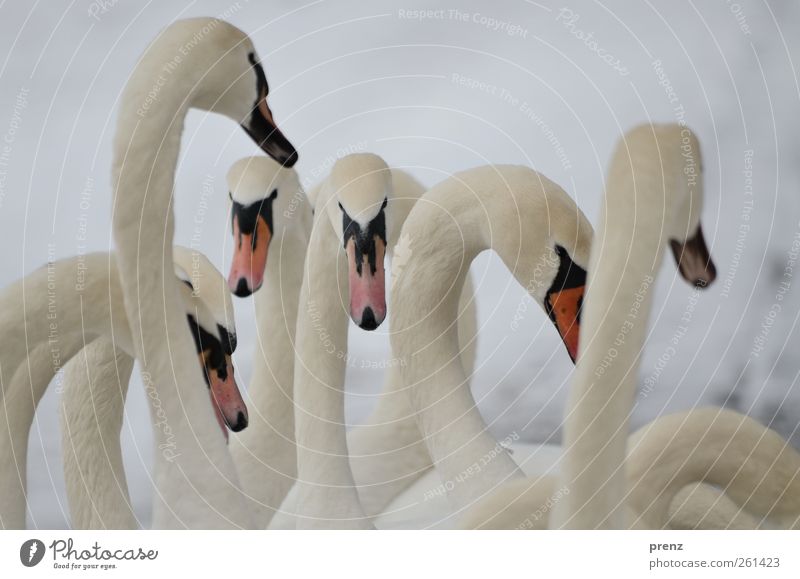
[{"x": 550, "y": 85}]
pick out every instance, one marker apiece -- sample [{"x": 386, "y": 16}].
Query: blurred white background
[{"x": 549, "y": 85}]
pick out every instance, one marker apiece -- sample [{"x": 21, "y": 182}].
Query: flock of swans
[{"x": 316, "y": 260}]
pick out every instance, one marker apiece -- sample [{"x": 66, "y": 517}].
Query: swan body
[
  {"x": 425, "y": 504},
  {"x": 64, "y": 306},
  {"x": 221, "y": 73},
  {"x": 707, "y": 468},
  {"x": 543, "y": 238},
  {"x": 653, "y": 199}
]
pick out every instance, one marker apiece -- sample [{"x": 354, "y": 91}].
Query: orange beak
[
  {"x": 229, "y": 406},
  {"x": 249, "y": 258},
  {"x": 226, "y": 396},
  {"x": 564, "y": 308}
]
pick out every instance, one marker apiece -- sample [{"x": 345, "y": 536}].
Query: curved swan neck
[
  {"x": 56, "y": 309},
  {"x": 513, "y": 210},
  {"x": 76, "y": 295},
  {"x": 150, "y": 121},
  {"x": 199, "y": 489},
  {"x": 604, "y": 382},
  {"x": 752, "y": 464},
  {"x": 643, "y": 197},
  {"x": 613, "y": 330},
  {"x": 519, "y": 214}
]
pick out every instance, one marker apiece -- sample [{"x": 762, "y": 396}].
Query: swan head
[
  {"x": 361, "y": 185},
  {"x": 677, "y": 150},
  {"x": 685, "y": 230},
  {"x": 210, "y": 317},
  {"x": 215, "y": 359},
  {"x": 564, "y": 297},
  {"x": 223, "y": 74},
  {"x": 260, "y": 189}
]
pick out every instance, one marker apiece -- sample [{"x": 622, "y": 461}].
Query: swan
[
  {"x": 751, "y": 464},
  {"x": 757, "y": 472},
  {"x": 199, "y": 63},
  {"x": 358, "y": 212},
  {"x": 654, "y": 196},
  {"x": 271, "y": 216},
  {"x": 60, "y": 307},
  {"x": 543, "y": 238},
  {"x": 95, "y": 385},
  {"x": 670, "y": 447}
]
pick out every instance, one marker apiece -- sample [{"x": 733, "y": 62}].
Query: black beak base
[{"x": 271, "y": 140}]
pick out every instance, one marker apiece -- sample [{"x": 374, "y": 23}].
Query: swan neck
[
  {"x": 628, "y": 250},
  {"x": 145, "y": 157}
]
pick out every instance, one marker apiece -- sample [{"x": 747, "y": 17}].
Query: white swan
[
  {"x": 271, "y": 216},
  {"x": 751, "y": 464},
  {"x": 653, "y": 198},
  {"x": 60, "y": 308},
  {"x": 358, "y": 212},
  {"x": 756, "y": 472},
  {"x": 198, "y": 63},
  {"x": 95, "y": 387},
  {"x": 543, "y": 238}
]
